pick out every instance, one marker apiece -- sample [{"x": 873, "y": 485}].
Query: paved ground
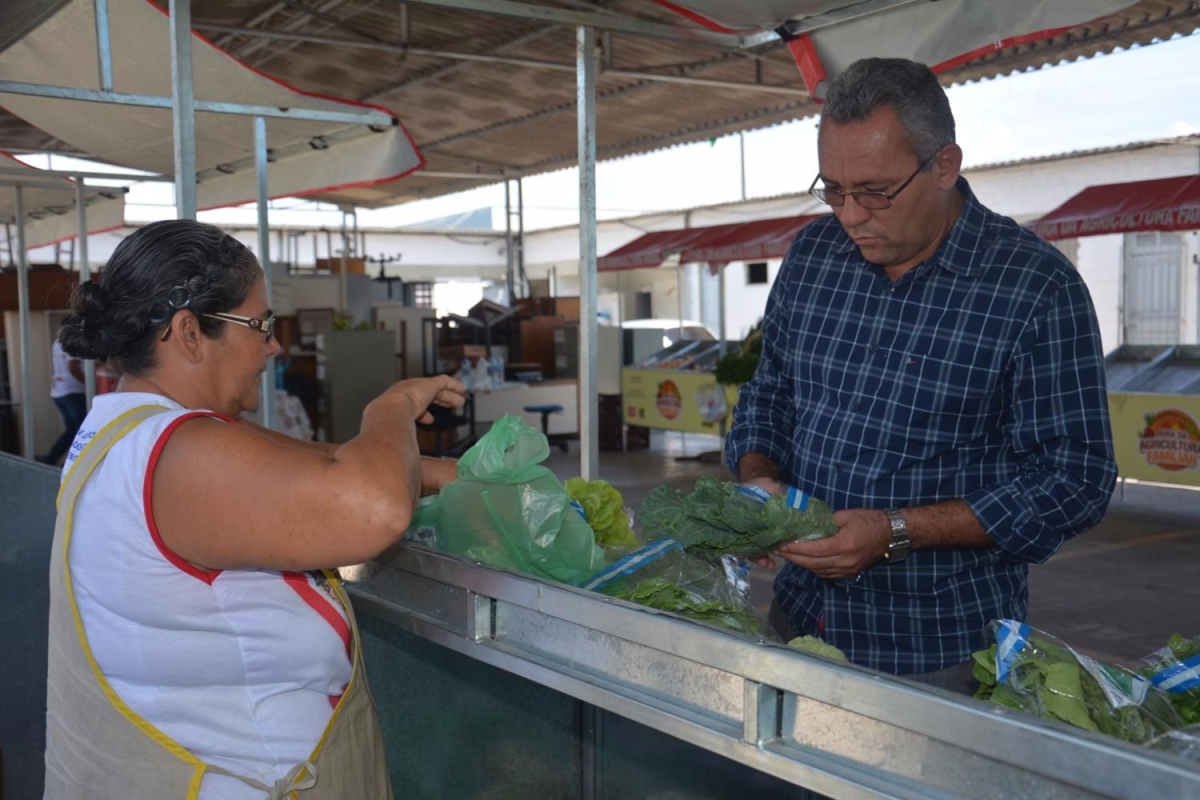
[{"x": 1116, "y": 592}]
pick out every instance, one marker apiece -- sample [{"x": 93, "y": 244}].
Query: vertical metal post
[
  {"x": 589, "y": 413},
  {"x": 721, "y": 305},
  {"x": 85, "y": 275},
  {"x": 742, "y": 152},
  {"x": 23, "y": 317},
  {"x": 104, "y": 46},
  {"x": 508, "y": 243},
  {"x": 183, "y": 109},
  {"x": 264, "y": 258},
  {"x": 520, "y": 255},
  {"x": 342, "y": 277}
]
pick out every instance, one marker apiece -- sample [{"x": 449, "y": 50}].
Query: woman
[{"x": 193, "y": 653}]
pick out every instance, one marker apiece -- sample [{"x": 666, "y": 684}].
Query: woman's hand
[{"x": 421, "y": 393}]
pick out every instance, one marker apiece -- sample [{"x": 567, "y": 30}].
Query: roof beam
[
  {"x": 532, "y": 63},
  {"x": 589, "y": 19}
]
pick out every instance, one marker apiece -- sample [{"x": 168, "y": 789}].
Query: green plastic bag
[{"x": 509, "y": 511}]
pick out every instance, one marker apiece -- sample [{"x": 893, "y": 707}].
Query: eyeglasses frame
[{"x": 888, "y": 197}]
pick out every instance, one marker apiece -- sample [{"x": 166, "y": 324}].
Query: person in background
[
  {"x": 67, "y": 391},
  {"x": 935, "y": 373},
  {"x": 199, "y": 644}
]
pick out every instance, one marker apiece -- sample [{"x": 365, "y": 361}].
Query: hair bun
[{"x": 82, "y": 334}]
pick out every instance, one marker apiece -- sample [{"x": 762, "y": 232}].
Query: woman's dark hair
[{"x": 161, "y": 268}]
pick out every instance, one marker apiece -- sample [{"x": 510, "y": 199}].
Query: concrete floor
[{"x": 1115, "y": 593}]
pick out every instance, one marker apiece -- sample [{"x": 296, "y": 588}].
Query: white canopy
[
  {"x": 307, "y": 156},
  {"x": 941, "y": 34},
  {"x": 50, "y": 213}
]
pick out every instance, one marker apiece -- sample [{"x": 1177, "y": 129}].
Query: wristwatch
[{"x": 900, "y": 545}]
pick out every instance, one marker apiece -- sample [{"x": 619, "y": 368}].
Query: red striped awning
[
  {"x": 716, "y": 244},
  {"x": 1165, "y": 204}
]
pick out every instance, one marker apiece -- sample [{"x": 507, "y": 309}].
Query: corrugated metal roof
[{"x": 487, "y": 117}]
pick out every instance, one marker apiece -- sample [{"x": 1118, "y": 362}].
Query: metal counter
[{"x": 839, "y": 730}]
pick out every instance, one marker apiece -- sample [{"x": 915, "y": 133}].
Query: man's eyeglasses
[
  {"x": 264, "y": 326},
  {"x": 872, "y": 200}
]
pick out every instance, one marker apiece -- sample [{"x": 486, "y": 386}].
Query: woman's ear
[{"x": 186, "y": 338}]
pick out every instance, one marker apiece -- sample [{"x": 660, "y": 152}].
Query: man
[
  {"x": 67, "y": 391},
  {"x": 935, "y": 373}
]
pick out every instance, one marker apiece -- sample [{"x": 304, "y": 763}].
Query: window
[
  {"x": 756, "y": 273},
  {"x": 421, "y": 295},
  {"x": 642, "y": 306}
]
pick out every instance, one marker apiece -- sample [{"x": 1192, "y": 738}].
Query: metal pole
[
  {"x": 85, "y": 275},
  {"x": 342, "y": 277},
  {"x": 520, "y": 260},
  {"x": 742, "y": 151},
  {"x": 264, "y": 259},
  {"x": 508, "y": 242},
  {"x": 721, "y": 305},
  {"x": 183, "y": 109},
  {"x": 589, "y": 413},
  {"x": 104, "y": 46},
  {"x": 23, "y": 316}
]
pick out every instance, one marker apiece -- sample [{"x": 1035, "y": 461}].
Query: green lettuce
[
  {"x": 605, "y": 510},
  {"x": 664, "y": 595},
  {"x": 715, "y": 519},
  {"x": 818, "y": 647}
]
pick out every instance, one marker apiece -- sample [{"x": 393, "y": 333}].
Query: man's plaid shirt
[{"x": 978, "y": 375}]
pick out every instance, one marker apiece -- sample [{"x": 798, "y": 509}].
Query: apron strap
[{"x": 292, "y": 782}]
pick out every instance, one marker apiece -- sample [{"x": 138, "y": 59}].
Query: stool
[{"x": 546, "y": 411}]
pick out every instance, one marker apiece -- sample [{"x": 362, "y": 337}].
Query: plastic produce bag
[
  {"x": 717, "y": 519},
  {"x": 1175, "y": 669},
  {"x": 1030, "y": 671},
  {"x": 508, "y": 511},
  {"x": 664, "y": 576}
]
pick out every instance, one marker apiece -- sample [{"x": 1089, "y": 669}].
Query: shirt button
[
  {"x": 874, "y": 347},
  {"x": 854, "y": 406},
  {"x": 837, "y": 465}
]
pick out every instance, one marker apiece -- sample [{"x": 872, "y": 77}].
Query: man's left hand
[{"x": 862, "y": 538}]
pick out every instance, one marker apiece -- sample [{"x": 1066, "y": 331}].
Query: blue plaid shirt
[{"x": 978, "y": 375}]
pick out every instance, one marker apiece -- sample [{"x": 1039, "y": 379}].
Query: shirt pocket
[{"x": 944, "y": 395}]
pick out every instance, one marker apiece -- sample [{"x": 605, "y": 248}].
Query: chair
[
  {"x": 546, "y": 411},
  {"x": 445, "y": 422}
]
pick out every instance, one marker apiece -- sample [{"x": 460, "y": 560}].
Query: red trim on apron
[
  {"x": 206, "y": 575},
  {"x": 314, "y": 599}
]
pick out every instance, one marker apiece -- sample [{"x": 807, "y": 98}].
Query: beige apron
[{"x": 99, "y": 748}]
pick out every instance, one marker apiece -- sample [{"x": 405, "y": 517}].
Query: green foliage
[
  {"x": 1178, "y": 650},
  {"x": 715, "y": 519},
  {"x": 739, "y": 366},
  {"x": 1047, "y": 679},
  {"x": 818, "y": 647},
  {"x": 664, "y": 595},
  {"x": 605, "y": 509}
]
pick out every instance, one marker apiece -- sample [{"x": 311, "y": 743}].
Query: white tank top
[{"x": 241, "y": 667}]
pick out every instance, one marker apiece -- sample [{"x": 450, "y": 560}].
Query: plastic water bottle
[{"x": 464, "y": 374}]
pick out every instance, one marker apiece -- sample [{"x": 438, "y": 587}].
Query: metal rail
[{"x": 840, "y": 730}]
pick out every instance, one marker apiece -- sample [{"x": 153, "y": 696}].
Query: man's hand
[{"x": 862, "y": 538}]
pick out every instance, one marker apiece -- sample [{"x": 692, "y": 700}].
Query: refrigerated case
[{"x": 674, "y": 389}]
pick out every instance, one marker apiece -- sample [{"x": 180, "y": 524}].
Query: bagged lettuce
[
  {"x": 1175, "y": 669},
  {"x": 1030, "y": 671},
  {"x": 663, "y": 576},
  {"x": 717, "y": 518}
]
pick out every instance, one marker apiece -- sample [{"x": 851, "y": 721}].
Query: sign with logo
[
  {"x": 692, "y": 402},
  {"x": 667, "y": 401},
  {"x": 1157, "y": 437}
]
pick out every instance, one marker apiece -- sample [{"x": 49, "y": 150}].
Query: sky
[{"x": 1143, "y": 93}]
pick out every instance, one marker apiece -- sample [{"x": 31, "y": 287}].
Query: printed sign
[{"x": 1157, "y": 436}]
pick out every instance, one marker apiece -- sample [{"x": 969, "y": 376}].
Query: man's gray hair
[{"x": 909, "y": 88}]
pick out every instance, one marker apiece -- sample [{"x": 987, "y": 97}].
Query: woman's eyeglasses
[{"x": 264, "y": 326}]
